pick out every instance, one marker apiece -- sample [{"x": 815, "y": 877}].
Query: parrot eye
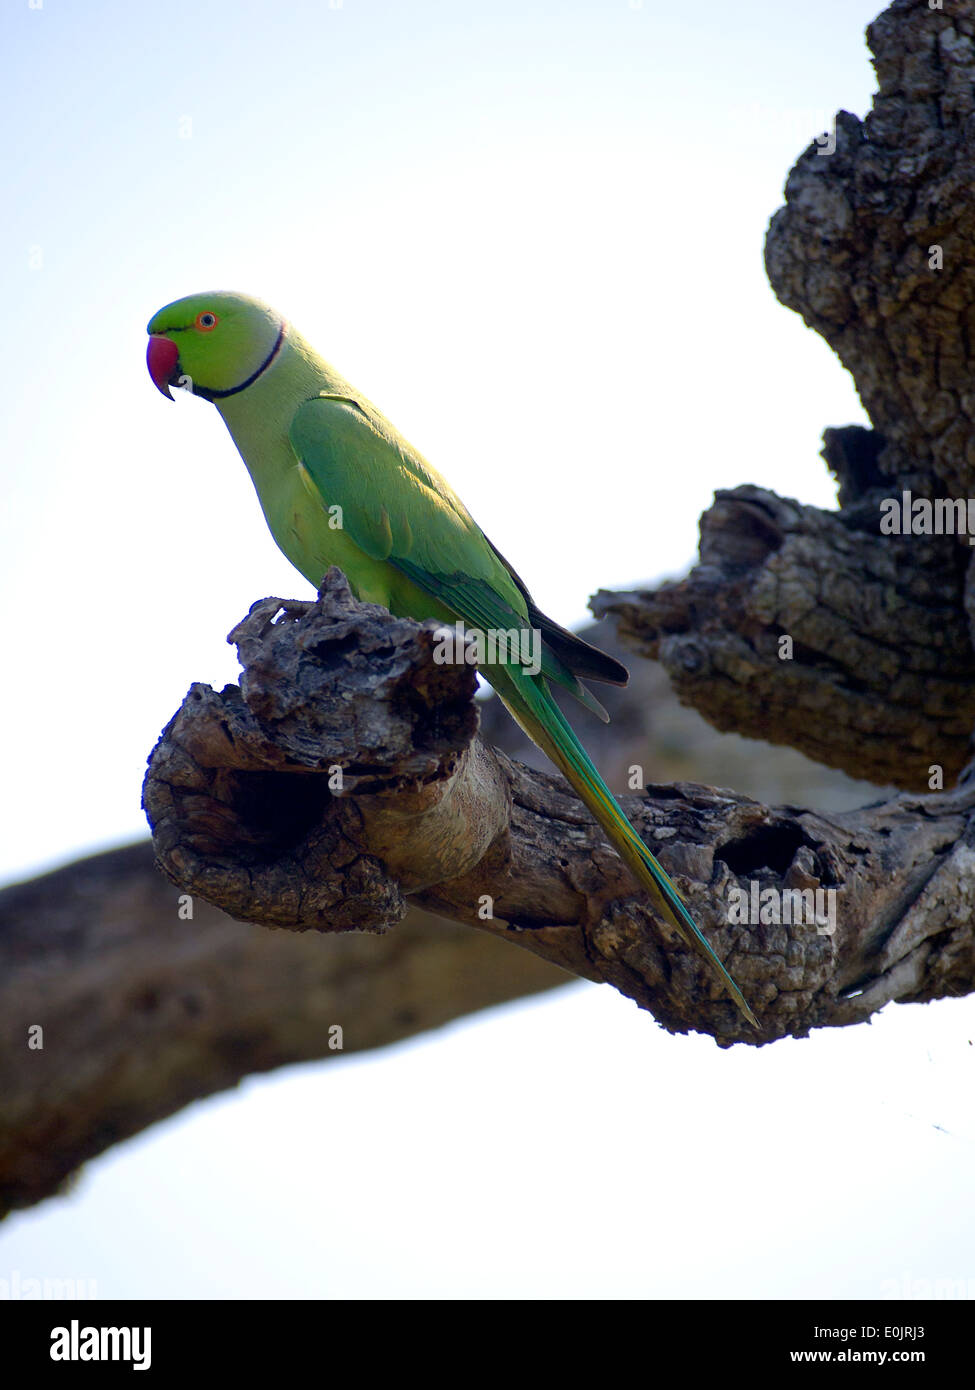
[{"x": 206, "y": 321}]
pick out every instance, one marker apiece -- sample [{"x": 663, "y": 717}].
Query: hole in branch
[{"x": 766, "y": 847}]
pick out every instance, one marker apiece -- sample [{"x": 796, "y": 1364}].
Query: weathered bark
[
  {"x": 852, "y": 249},
  {"x": 420, "y": 788},
  {"x": 797, "y": 628},
  {"x": 881, "y": 682},
  {"x": 165, "y": 1009}
]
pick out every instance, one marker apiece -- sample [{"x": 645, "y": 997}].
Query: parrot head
[{"x": 212, "y": 344}]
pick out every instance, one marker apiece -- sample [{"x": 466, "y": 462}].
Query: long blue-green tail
[{"x": 529, "y": 701}]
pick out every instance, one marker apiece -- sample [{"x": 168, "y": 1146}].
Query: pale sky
[{"x": 531, "y": 231}]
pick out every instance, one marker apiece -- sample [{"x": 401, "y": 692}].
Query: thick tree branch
[
  {"x": 874, "y": 248},
  {"x": 545, "y": 877},
  {"x": 145, "y": 1009},
  {"x": 165, "y": 1009},
  {"x": 799, "y": 629}
]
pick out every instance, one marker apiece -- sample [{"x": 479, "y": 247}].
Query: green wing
[
  {"x": 396, "y": 508},
  {"x": 400, "y": 512}
]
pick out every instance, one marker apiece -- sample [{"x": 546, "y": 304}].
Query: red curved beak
[{"x": 162, "y": 359}]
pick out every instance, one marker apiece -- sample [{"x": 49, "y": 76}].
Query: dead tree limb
[
  {"x": 341, "y": 687},
  {"x": 874, "y": 248},
  {"x": 800, "y": 629},
  {"x": 145, "y": 1008}
]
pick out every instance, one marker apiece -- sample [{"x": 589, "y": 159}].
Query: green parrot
[{"x": 339, "y": 486}]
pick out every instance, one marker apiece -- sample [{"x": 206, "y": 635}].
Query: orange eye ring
[{"x": 206, "y": 321}]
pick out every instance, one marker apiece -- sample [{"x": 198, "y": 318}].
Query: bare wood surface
[{"x": 543, "y": 871}]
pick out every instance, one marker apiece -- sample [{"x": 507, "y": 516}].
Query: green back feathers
[{"x": 398, "y": 509}]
